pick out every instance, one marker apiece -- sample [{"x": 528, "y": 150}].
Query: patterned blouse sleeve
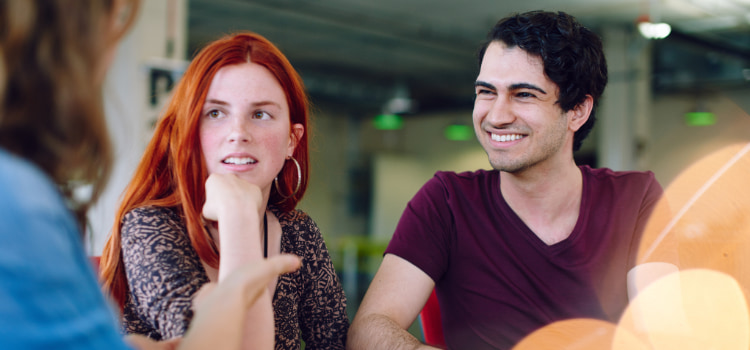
[
  {"x": 323, "y": 319},
  {"x": 162, "y": 268}
]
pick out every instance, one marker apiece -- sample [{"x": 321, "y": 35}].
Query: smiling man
[{"x": 537, "y": 240}]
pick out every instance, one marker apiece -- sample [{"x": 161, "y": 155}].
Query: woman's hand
[{"x": 227, "y": 194}]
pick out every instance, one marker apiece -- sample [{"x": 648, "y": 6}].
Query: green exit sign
[{"x": 700, "y": 118}]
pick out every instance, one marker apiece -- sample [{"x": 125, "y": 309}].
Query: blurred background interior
[{"x": 391, "y": 83}]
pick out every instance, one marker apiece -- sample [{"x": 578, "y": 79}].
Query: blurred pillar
[{"x": 623, "y": 114}]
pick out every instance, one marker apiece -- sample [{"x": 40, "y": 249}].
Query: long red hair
[{"x": 172, "y": 171}]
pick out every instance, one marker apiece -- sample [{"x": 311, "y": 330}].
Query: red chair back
[
  {"x": 432, "y": 324},
  {"x": 95, "y": 262}
]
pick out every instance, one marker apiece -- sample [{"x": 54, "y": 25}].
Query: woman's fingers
[
  {"x": 246, "y": 282},
  {"x": 257, "y": 276}
]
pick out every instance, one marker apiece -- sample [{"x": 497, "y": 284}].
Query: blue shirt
[{"x": 49, "y": 296}]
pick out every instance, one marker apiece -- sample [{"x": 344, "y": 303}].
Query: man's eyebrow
[
  {"x": 512, "y": 87},
  {"x": 520, "y": 86},
  {"x": 479, "y": 83}
]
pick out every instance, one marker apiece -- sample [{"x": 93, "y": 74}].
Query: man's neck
[{"x": 547, "y": 200}]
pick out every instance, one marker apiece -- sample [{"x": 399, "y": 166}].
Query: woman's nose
[{"x": 240, "y": 131}]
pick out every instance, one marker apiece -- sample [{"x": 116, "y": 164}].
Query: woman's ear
[
  {"x": 580, "y": 113},
  {"x": 296, "y": 134}
]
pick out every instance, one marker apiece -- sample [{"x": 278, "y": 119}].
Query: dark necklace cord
[{"x": 265, "y": 235}]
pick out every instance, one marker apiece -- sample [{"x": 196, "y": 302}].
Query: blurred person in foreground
[
  {"x": 218, "y": 187},
  {"x": 53, "y": 59},
  {"x": 538, "y": 239}
]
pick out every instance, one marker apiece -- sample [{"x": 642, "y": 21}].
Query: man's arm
[{"x": 392, "y": 302}]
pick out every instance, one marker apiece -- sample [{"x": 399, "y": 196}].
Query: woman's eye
[
  {"x": 261, "y": 115},
  {"x": 213, "y": 113}
]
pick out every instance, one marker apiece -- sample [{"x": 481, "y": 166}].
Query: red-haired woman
[{"x": 216, "y": 188}]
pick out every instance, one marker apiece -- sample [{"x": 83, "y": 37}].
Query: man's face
[{"x": 516, "y": 117}]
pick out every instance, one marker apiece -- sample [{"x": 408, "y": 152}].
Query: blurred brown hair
[{"x": 53, "y": 56}]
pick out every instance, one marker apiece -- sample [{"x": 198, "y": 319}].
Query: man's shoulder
[
  {"x": 469, "y": 186},
  {"x": 630, "y": 183},
  {"x": 608, "y": 174},
  {"x": 467, "y": 181}
]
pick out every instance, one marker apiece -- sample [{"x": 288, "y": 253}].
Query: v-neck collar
[{"x": 520, "y": 225}]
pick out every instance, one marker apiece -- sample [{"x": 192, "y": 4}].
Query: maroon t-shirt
[{"x": 496, "y": 281}]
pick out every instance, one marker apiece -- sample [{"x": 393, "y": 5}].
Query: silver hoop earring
[{"x": 299, "y": 181}]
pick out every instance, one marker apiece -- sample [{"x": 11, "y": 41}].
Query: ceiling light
[
  {"x": 650, "y": 24},
  {"x": 651, "y": 30},
  {"x": 400, "y": 102},
  {"x": 654, "y": 30}
]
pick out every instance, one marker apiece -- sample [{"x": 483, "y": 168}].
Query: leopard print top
[{"x": 164, "y": 272}]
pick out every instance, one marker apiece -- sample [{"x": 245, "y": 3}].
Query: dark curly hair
[{"x": 572, "y": 55}]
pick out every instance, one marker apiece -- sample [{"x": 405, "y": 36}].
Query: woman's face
[{"x": 245, "y": 125}]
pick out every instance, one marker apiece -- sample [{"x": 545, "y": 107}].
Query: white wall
[{"x": 126, "y": 101}]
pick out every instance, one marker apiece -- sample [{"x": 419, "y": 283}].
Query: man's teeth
[
  {"x": 238, "y": 160},
  {"x": 506, "y": 138}
]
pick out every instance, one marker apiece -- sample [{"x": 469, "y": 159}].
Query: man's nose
[{"x": 500, "y": 112}]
